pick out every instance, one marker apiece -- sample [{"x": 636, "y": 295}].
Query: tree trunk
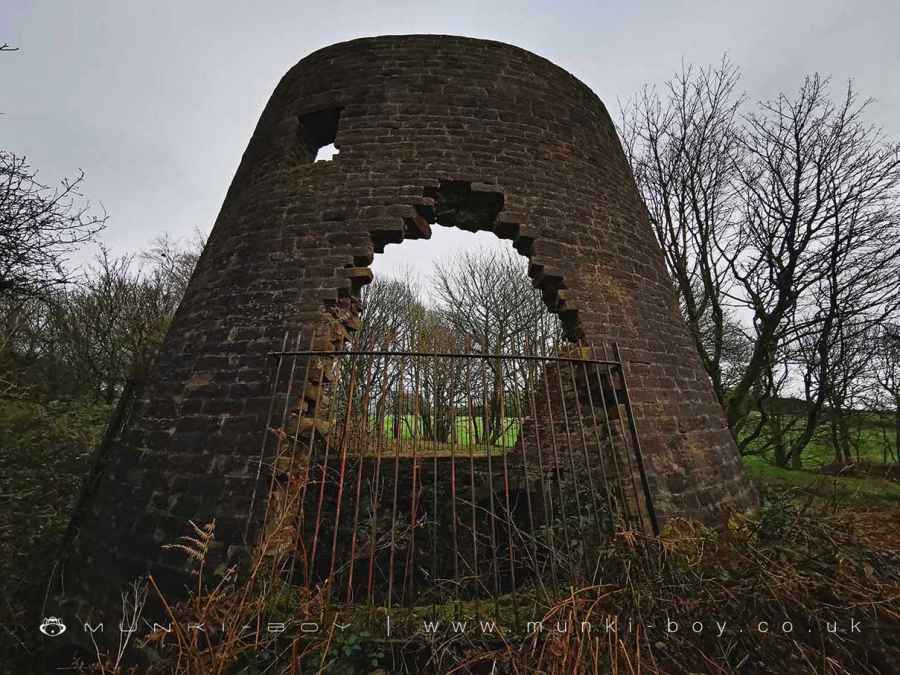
[
  {"x": 897, "y": 425},
  {"x": 835, "y": 441},
  {"x": 776, "y": 433},
  {"x": 738, "y": 404}
]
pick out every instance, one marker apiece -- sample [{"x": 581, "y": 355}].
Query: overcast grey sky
[{"x": 156, "y": 101}]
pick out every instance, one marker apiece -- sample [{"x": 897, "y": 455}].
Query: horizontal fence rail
[{"x": 422, "y": 477}]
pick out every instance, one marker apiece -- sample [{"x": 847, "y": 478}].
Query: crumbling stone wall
[
  {"x": 470, "y": 133},
  {"x": 575, "y": 432}
]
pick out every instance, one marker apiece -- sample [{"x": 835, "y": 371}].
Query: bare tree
[
  {"x": 388, "y": 307},
  {"x": 172, "y": 265},
  {"x": 39, "y": 227},
  {"x": 435, "y": 381},
  {"x": 86, "y": 337},
  {"x": 886, "y": 370},
  {"x": 777, "y": 422},
  {"x": 108, "y": 327},
  {"x": 487, "y": 300},
  {"x": 817, "y": 237},
  {"x": 787, "y": 216},
  {"x": 847, "y": 388},
  {"x": 24, "y": 337},
  {"x": 681, "y": 145},
  {"x": 391, "y": 310}
]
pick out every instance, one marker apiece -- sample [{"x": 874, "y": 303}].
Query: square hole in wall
[{"x": 319, "y": 131}]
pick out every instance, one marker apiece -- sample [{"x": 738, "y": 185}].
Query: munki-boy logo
[{"x": 52, "y": 627}]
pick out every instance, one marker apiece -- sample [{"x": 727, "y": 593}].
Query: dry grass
[{"x": 812, "y": 564}]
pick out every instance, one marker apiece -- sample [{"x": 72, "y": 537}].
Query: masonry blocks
[{"x": 430, "y": 129}]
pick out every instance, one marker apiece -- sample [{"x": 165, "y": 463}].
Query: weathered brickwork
[
  {"x": 468, "y": 133},
  {"x": 579, "y": 428}
]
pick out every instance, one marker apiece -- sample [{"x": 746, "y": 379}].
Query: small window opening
[
  {"x": 318, "y": 131},
  {"x": 326, "y": 153}
]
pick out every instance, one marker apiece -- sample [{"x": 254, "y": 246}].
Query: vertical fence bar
[
  {"x": 454, "y": 439},
  {"x": 526, "y": 478},
  {"x": 489, "y": 442},
  {"x": 472, "y": 440},
  {"x": 622, "y": 424},
  {"x": 380, "y": 420},
  {"x": 314, "y": 414},
  {"x": 298, "y": 535},
  {"x": 279, "y": 444},
  {"x": 435, "y": 429},
  {"x": 509, "y": 515},
  {"x": 584, "y": 444},
  {"x": 546, "y": 488},
  {"x": 557, "y": 366},
  {"x": 342, "y": 449},
  {"x": 328, "y": 437},
  {"x": 409, "y": 563},
  {"x": 360, "y": 451},
  {"x": 265, "y": 438},
  {"x": 553, "y": 445},
  {"x": 638, "y": 454},
  {"x": 397, "y": 430},
  {"x": 613, "y": 449}
]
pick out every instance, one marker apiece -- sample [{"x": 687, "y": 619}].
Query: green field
[
  {"x": 842, "y": 487},
  {"x": 467, "y": 430},
  {"x": 872, "y": 443}
]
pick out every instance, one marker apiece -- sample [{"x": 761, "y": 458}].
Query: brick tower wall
[{"x": 465, "y": 132}]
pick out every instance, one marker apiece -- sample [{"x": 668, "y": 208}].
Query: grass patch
[
  {"x": 801, "y": 569},
  {"x": 466, "y": 431},
  {"x": 872, "y": 438},
  {"x": 45, "y": 452},
  {"x": 425, "y": 448},
  {"x": 841, "y": 487}
]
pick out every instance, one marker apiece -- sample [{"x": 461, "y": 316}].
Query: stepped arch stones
[{"x": 469, "y": 133}]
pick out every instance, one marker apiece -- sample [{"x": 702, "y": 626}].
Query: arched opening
[
  {"x": 465, "y": 446},
  {"x": 479, "y": 208}
]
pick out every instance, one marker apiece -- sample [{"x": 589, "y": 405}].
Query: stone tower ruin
[{"x": 430, "y": 129}]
